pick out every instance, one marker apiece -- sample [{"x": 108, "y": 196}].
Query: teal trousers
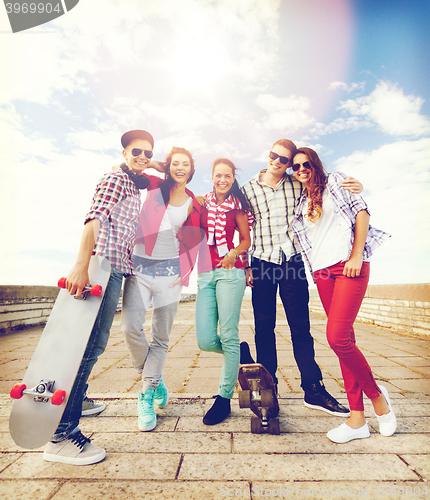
[{"x": 219, "y": 299}]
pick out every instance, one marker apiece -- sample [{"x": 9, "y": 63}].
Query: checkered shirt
[
  {"x": 346, "y": 207},
  {"x": 273, "y": 211},
  {"x": 116, "y": 204}
]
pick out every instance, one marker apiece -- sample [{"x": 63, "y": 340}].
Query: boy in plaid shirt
[{"x": 110, "y": 229}]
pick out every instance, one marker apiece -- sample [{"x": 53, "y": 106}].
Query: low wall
[
  {"x": 405, "y": 308},
  {"x": 25, "y": 306}
]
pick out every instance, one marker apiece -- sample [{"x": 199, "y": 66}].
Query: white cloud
[
  {"x": 284, "y": 114},
  {"x": 352, "y": 87},
  {"x": 396, "y": 178},
  {"x": 388, "y": 107}
]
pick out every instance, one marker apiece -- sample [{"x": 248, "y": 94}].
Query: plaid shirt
[
  {"x": 346, "y": 207},
  {"x": 116, "y": 204},
  {"x": 274, "y": 211}
]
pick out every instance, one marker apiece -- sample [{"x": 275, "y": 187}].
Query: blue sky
[{"x": 220, "y": 78}]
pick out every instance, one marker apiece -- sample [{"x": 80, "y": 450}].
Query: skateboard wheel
[
  {"x": 96, "y": 291},
  {"x": 58, "y": 397},
  {"x": 274, "y": 426},
  {"x": 255, "y": 425},
  {"x": 245, "y": 399},
  {"x": 62, "y": 283},
  {"x": 267, "y": 400},
  {"x": 17, "y": 391}
]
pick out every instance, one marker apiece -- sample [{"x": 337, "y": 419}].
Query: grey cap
[{"x": 131, "y": 135}]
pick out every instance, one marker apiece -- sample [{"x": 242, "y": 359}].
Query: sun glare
[{"x": 199, "y": 66}]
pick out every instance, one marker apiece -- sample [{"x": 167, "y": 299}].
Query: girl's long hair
[
  {"x": 316, "y": 185},
  {"x": 168, "y": 183},
  {"x": 235, "y": 188}
]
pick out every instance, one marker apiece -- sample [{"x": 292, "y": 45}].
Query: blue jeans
[
  {"x": 96, "y": 345},
  {"x": 290, "y": 278},
  {"x": 219, "y": 299}
]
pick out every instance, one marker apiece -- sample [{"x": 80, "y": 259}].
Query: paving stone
[
  {"x": 373, "y": 490},
  {"x": 413, "y": 385},
  {"x": 22, "y": 490},
  {"x": 123, "y": 424},
  {"x": 419, "y": 463},
  {"x": 117, "y": 465},
  {"x": 167, "y": 442},
  {"x": 319, "y": 443},
  {"x": 151, "y": 490},
  {"x": 395, "y": 373},
  {"x": 295, "y": 467}
]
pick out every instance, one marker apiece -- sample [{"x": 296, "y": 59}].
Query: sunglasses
[
  {"x": 306, "y": 165},
  {"x": 137, "y": 151},
  {"x": 283, "y": 159}
]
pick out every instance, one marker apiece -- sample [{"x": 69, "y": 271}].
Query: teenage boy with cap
[
  {"x": 110, "y": 228},
  {"x": 277, "y": 263}
]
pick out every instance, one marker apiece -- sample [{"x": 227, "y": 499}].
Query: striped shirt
[
  {"x": 116, "y": 204},
  {"x": 346, "y": 207},
  {"x": 273, "y": 210}
]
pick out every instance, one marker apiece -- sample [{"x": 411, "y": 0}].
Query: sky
[{"x": 349, "y": 78}]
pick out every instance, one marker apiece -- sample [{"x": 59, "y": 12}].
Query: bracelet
[
  {"x": 247, "y": 267},
  {"x": 235, "y": 251},
  {"x": 233, "y": 260}
]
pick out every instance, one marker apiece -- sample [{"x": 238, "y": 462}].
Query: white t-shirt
[
  {"x": 329, "y": 239},
  {"x": 167, "y": 245}
]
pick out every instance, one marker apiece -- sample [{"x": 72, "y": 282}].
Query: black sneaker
[
  {"x": 245, "y": 354},
  {"x": 219, "y": 411},
  {"x": 317, "y": 398}
]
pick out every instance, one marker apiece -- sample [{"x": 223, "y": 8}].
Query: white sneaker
[
  {"x": 345, "y": 433},
  {"x": 388, "y": 422},
  {"x": 76, "y": 450}
]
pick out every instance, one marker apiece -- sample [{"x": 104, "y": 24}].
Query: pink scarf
[{"x": 217, "y": 219}]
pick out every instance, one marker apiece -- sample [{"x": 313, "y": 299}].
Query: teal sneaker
[
  {"x": 161, "y": 397},
  {"x": 147, "y": 419}
]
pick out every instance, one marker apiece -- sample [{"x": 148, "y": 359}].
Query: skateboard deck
[
  {"x": 42, "y": 397},
  {"x": 259, "y": 394}
]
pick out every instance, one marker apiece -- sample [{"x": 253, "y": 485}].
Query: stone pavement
[{"x": 184, "y": 459}]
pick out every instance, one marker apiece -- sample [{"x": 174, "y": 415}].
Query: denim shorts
[{"x": 151, "y": 267}]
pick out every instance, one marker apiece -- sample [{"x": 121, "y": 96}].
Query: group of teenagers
[{"x": 295, "y": 211}]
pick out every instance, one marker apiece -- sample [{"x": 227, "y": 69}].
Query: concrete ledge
[
  {"x": 406, "y": 308},
  {"x": 26, "y": 306}
]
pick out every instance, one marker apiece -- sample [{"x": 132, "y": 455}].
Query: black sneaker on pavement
[
  {"x": 317, "y": 398},
  {"x": 76, "y": 450},
  {"x": 219, "y": 411}
]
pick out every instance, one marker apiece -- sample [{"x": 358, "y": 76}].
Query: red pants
[{"x": 341, "y": 298}]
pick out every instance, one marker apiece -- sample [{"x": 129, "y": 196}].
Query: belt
[{"x": 151, "y": 267}]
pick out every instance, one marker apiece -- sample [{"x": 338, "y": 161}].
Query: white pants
[{"x": 149, "y": 357}]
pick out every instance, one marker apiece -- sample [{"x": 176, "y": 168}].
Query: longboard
[{"x": 42, "y": 396}]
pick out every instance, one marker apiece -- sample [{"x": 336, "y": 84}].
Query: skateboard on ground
[
  {"x": 42, "y": 396},
  {"x": 259, "y": 393}
]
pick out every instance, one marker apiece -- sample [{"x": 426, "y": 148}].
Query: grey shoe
[
  {"x": 76, "y": 450},
  {"x": 90, "y": 407}
]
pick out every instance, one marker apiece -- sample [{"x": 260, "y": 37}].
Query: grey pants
[{"x": 139, "y": 291}]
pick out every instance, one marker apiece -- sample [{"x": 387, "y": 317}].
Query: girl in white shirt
[{"x": 332, "y": 229}]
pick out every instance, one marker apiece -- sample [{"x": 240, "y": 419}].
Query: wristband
[
  {"x": 247, "y": 267},
  {"x": 233, "y": 260},
  {"x": 235, "y": 251}
]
